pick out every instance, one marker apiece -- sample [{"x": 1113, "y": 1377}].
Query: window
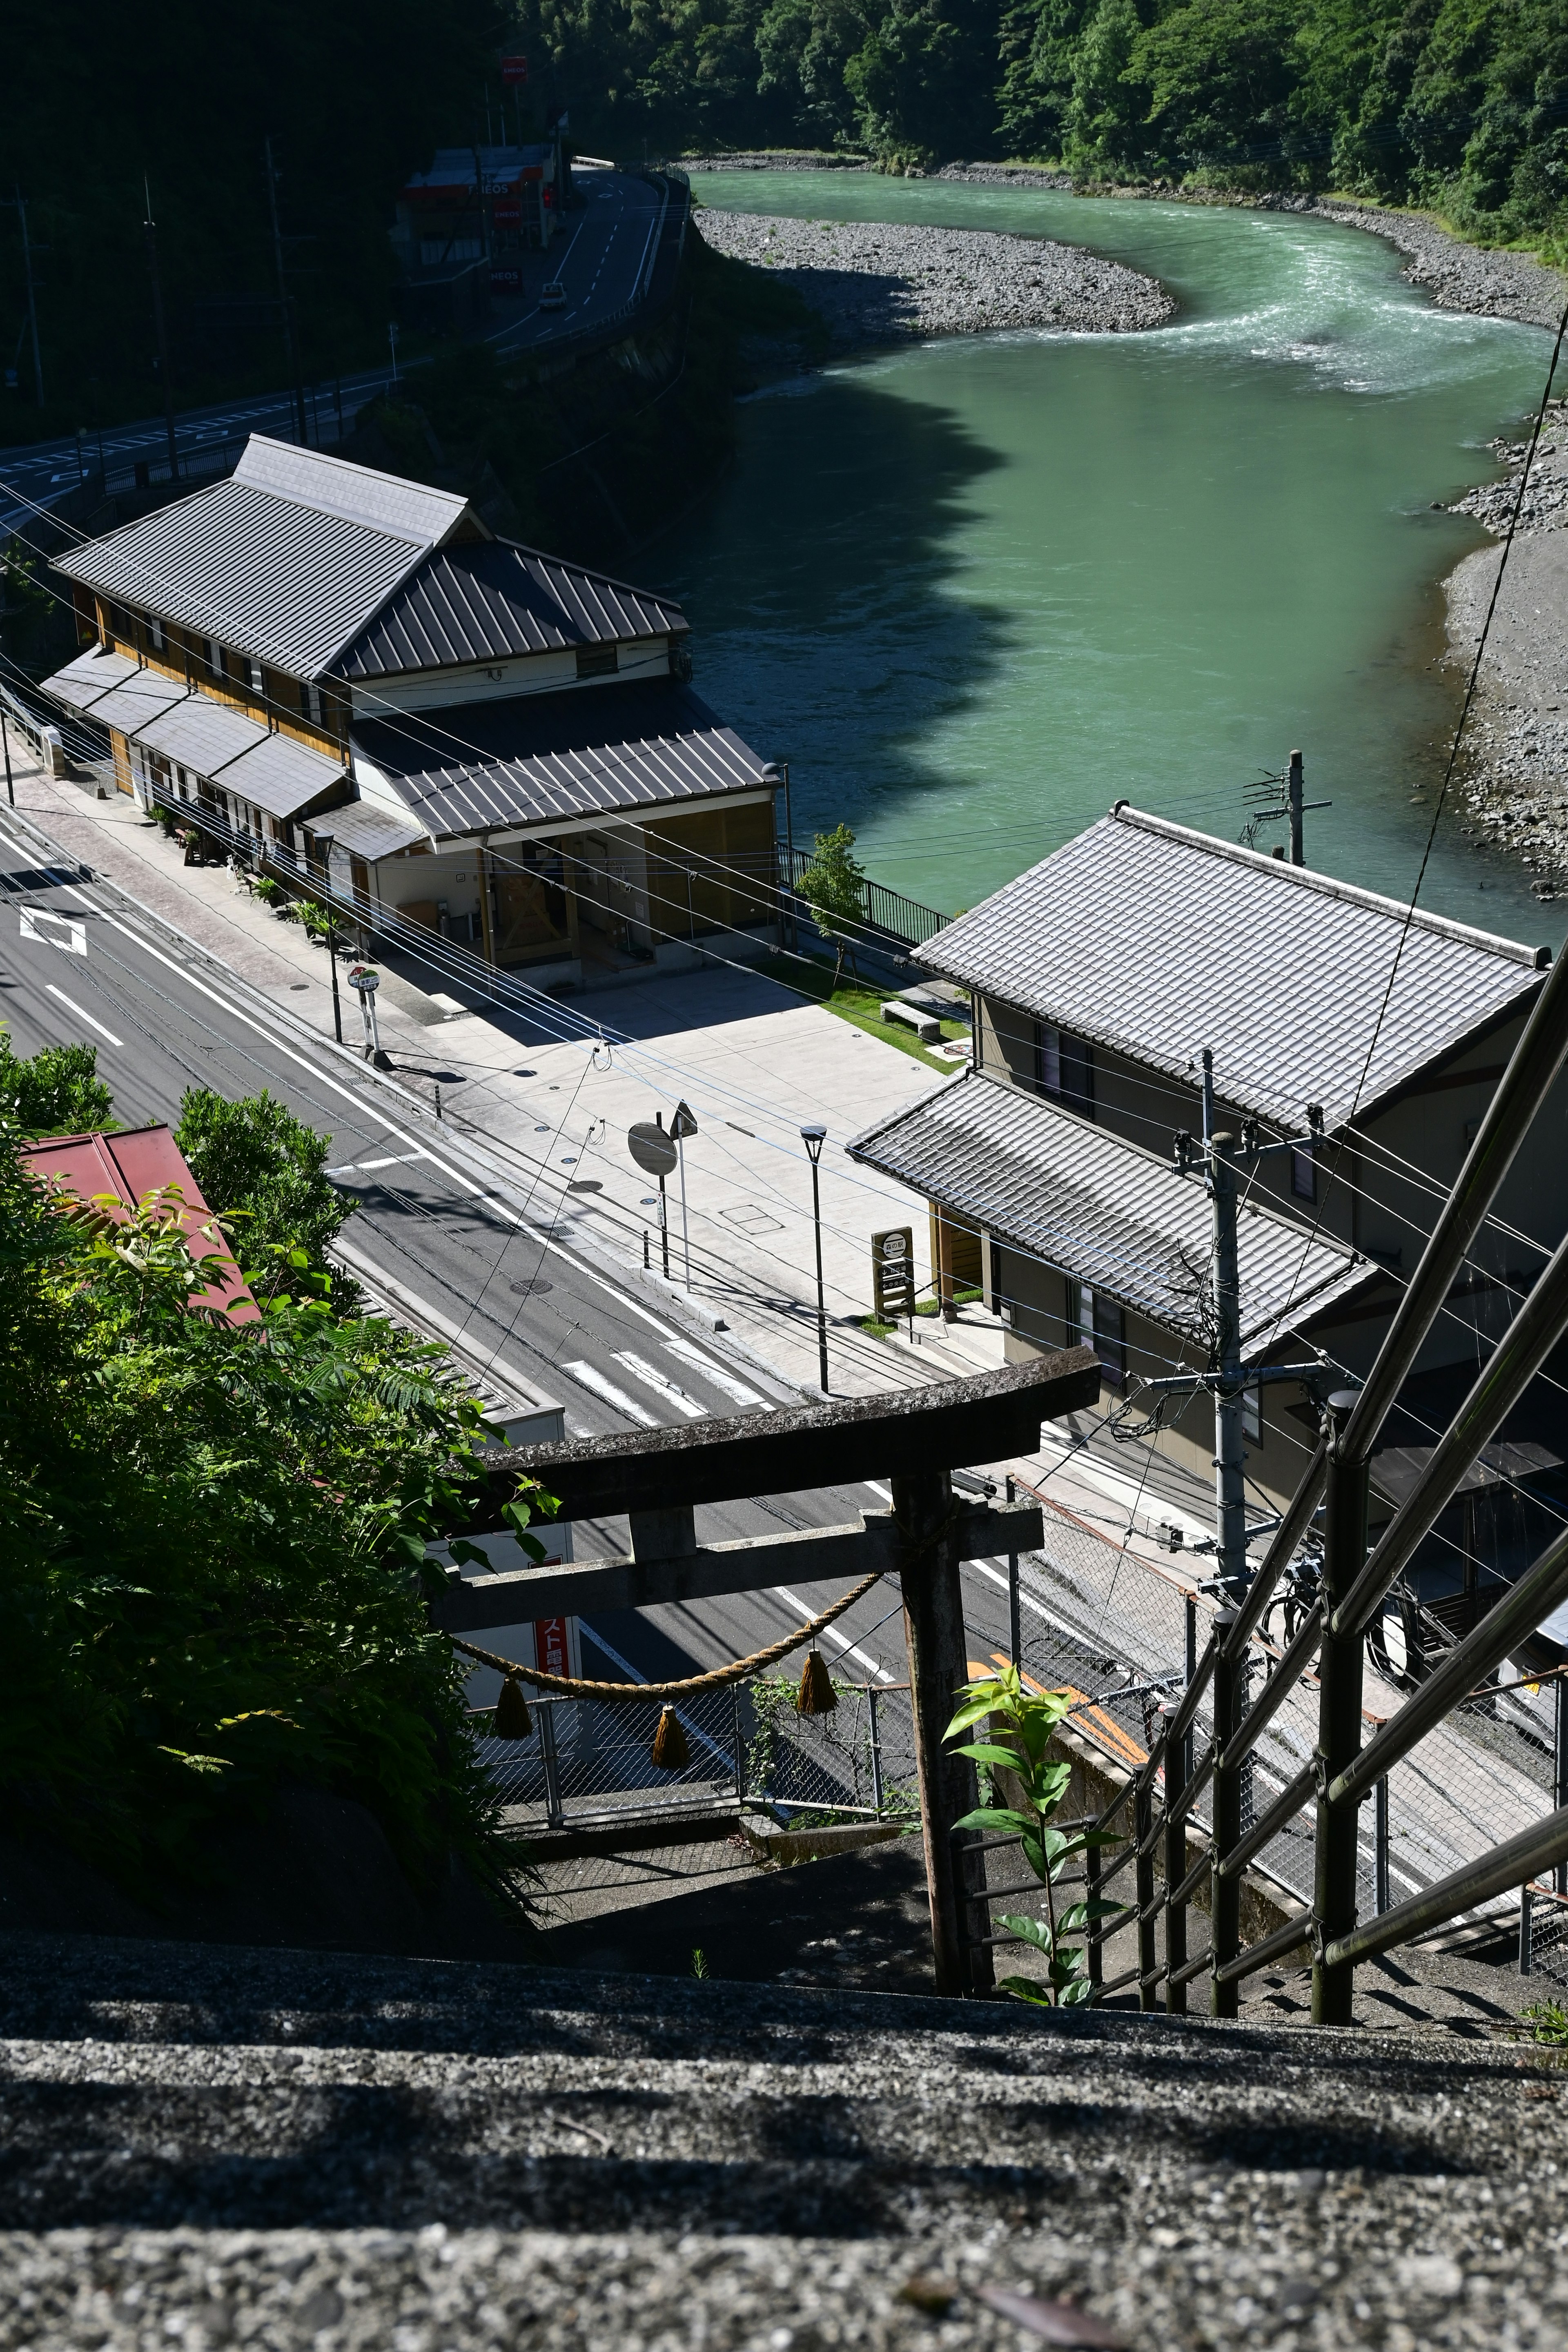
[
  {"x": 1304, "y": 1173},
  {"x": 597, "y": 661},
  {"x": 157, "y": 635},
  {"x": 1252, "y": 1414},
  {"x": 214, "y": 652},
  {"x": 258, "y": 685},
  {"x": 1064, "y": 1068},
  {"x": 1098, "y": 1322}
]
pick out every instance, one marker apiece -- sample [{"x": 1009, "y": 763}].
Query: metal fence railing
[
  {"x": 589, "y": 1762},
  {"x": 881, "y": 910}
]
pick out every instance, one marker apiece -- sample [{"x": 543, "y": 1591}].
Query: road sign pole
[
  {"x": 6, "y": 739},
  {"x": 685, "y": 1221},
  {"x": 663, "y": 1230}
]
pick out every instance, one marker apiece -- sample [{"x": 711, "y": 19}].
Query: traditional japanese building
[
  {"x": 338, "y": 670},
  {"x": 1371, "y": 1034}
]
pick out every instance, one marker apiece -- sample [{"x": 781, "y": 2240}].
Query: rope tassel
[
  {"x": 671, "y": 1752},
  {"x": 816, "y": 1694},
  {"x": 512, "y": 1718}
]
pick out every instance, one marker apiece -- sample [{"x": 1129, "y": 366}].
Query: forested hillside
[
  {"x": 103, "y": 104},
  {"x": 1458, "y": 103}
]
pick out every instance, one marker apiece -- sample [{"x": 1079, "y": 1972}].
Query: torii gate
[{"x": 914, "y": 1439}]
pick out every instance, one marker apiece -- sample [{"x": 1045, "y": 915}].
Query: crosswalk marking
[
  {"x": 652, "y": 1378},
  {"x": 588, "y": 1378},
  {"x": 725, "y": 1382}
]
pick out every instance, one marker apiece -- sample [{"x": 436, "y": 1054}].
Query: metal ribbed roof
[
  {"x": 588, "y": 752},
  {"x": 1101, "y": 1209},
  {"x": 87, "y": 679},
  {"x": 271, "y": 771},
  {"x": 1157, "y": 941},
  {"x": 266, "y": 575},
  {"x": 333, "y": 485},
  {"x": 483, "y": 601},
  {"x": 366, "y": 829}
]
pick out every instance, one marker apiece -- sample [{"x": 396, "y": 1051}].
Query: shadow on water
[{"x": 842, "y": 630}]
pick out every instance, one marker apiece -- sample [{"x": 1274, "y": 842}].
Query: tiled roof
[
  {"x": 366, "y": 829},
  {"x": 589, "y": 752},
  {"x": 485, "y": 600},
  {"x": 89, "y": 678},
  {"x": 1156, "y": 942},
  {"x": 286, "y": 560},
  {"x": 1111, "y": 1216}
]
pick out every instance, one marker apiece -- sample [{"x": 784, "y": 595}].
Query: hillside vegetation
[{"x": 1459, "y": 104}]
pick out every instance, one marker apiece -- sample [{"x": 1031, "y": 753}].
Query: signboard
[
  {"x": 504, "y": 281},
  {"x": 684, "y": 1123},
  {"x": 651, "y": 1148},
  {"x": 893, "y": 1273},
  {"x": 514, "y": 69},
  {"x": 506, "y": 211},
  {"x": 552, "y": 1646}
]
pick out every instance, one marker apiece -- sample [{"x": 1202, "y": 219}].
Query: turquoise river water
[{"x": 977, "y": 589}]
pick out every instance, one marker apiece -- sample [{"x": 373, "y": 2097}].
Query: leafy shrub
[{"x": 57, "y": 1092}]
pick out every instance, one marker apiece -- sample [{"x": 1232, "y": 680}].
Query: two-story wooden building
[
  {"x": 344, "y": 673},
  {"x": 1097, "y": 979}
]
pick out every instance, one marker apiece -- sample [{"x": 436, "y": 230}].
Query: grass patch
[{"x": 860, "y": 1006}]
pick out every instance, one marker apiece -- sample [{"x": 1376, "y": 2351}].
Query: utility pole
[
  {"x": 1295, "y": 787},
  {"x": 1230, "y": 1454},
  {"x": 285, "y": 300},
  {"x": 150, "y": 231},
  {"x": 32, "y": 301}
]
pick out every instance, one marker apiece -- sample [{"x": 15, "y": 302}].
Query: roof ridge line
[
  {"x": 1327, "y": 886},
  {"x": 588, "y": 571}
]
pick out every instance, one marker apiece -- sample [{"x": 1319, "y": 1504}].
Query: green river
[{"x": 977, "y": 589}]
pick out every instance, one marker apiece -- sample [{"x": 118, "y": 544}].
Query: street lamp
[{"x": 814, "y": 1138}]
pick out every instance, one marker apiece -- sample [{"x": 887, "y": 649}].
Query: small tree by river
[{"x": 832, "y": 886}]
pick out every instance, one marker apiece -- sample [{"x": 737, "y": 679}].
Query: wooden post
[{"x": 939, "y": 1667}]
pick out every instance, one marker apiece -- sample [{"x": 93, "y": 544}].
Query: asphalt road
[{"x": 598, "y": 257}]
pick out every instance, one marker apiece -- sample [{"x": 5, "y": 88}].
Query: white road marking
[
  {"x": 82, "y": 1014},
  {"x": 725, "y": 1382},
  {"x": 75, "y": 940},
  {"x": 588, "y": 1378},
  {"x": 395, "y": 1159},
  {"x": 652, "y": 1378},
  {"x": 830, "y": 1633}
]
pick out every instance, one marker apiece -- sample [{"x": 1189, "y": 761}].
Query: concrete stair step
[{"x": 220, "y": 2145}]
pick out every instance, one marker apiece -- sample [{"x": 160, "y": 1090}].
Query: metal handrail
[
  {"x": 1530, "y": 1600},
  {"x": 1503, "y": 1378},
  {"x": 1296, "y": 1929},
  {"x": 1284, "y": 1809},
  {"x": 1528, "y": 1856},
  {"x": 1293, "y": 1663}
]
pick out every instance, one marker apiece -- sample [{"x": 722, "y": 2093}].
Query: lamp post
[{"x": 814, "y": 1138}]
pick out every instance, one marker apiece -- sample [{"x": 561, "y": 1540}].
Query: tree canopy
[{"x": 213, "y": 1535}]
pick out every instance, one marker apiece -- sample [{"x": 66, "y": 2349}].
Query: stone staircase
[{"x": 221, "y": 2147}]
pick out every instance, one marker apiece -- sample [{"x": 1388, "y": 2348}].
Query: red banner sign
[
  {"x": 506, "y": 211},
  {"x": 552, "y": 1652},
  {"x": 514, "y": 69}
]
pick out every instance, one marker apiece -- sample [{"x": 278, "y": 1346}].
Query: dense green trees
[
  {"x": 211, "y": 1536},
  {"x": 1458, "y": 103}
]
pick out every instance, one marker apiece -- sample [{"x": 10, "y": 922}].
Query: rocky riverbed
[
  {"x": 1514, "y": 770},
  {"x": 880, "y": 282}
]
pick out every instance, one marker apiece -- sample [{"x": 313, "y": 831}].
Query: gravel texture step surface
[
  {"x": 876, "y": 281},
  {"x": 211, "y": 2147}
]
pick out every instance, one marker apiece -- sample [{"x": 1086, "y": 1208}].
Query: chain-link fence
[{"x": 590, "y": 1762}]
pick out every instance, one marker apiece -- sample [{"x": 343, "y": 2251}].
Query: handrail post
[
  {"x": 1094, "y": 1935},
  {"x": 1339, "y": 1716},
  {"x": 1225, "y": 1893},
  {"x": 1559, "y": 1769},
  {"x": 1143, "y": 1873},
  {"x": 1175, "y": 1871}
]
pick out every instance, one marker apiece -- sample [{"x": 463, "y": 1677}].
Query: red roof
[{"x": 116, "y": 1171}]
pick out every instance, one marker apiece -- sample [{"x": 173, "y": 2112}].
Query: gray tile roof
[
  {"x": 484, "y": 602},
  {"x": 588, "y": 752},
  {"x": 1101, "y": 1209},
  {"x": 271, "y": 771},
  {"x": 201, "y": 734},
  {"x": 1156, "y": 942},
  {"x": 143, "y": 698}
]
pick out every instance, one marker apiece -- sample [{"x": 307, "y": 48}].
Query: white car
[{"x": 553, "y": 297}]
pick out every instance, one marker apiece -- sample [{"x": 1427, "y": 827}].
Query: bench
[{"x": 928, "y": 1031}]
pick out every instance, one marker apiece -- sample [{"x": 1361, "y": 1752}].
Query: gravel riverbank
[{"x": 880, "y": 282}]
